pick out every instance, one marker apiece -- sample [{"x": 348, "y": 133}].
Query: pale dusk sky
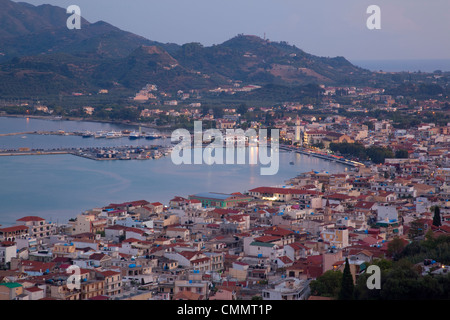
[{"x": 410, "y": 29}]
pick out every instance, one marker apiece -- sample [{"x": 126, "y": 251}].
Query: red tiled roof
[
  {"x": 38, "y": 266},
  {"x": 200, "y": 260},
  {"x": 109, "y": 273},
  {"x": 267, "y": 239},
  {"x": 187, "y": 295},
  {"x": 14, "y": 228},
  {"x": 131, "y": 240},
  {"x": 297, "y": 246},
  {"x": 364, "y": 204},
  {"x": 338, "y": 196},
  {"x": 317, "y": 259},
  {"x": 225, "y": 211},
  {"x": 116, "y": 227},
  {"x": 130, "y": 204},
  {"x": 156, "y": 204},
  {"x": 34, "y": 289},
  {"x": 30, "y": 218},
  {"x": 7, "y": 243},
  {"x": 97, "y": 256},
  {"x": 276, "y": 231},
  {"x": 273, "y": 190},
  {"x": 188, "y": 254},
  {"x": 285, "y": 259},
  {"x": 135, "y": 230},
  {"x": 237, "y": 217}
]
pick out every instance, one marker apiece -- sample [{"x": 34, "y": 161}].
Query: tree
[
  {"x": 327, "y": 285},
  {"x": 401, "y": 154},
  {"x": 218, "y": 112},
  {"x": 416, "y": 229},
  {"x": 242, "y": 109},
  {"x": 347, "y": 285},
  {"x": 395, "y": 247},
  {"x": 437, "y": 217}
]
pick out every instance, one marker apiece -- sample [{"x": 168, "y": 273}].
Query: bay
[{"x": 58, "y": 187}]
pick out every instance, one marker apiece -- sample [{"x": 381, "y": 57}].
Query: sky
[{"x": 410, "y": 29}]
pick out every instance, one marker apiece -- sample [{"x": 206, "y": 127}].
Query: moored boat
[{"x": 134, "y": 135}]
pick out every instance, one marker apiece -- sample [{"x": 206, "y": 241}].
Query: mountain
[
  {"x": 255, "y": 60},
  {"x": 27, "y": 30},
  {"x": 40, "y": 56}
]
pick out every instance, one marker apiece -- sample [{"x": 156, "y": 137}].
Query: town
[{"x": 266, "y": 243}]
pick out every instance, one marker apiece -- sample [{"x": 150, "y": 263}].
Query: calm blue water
[
  {"x": 404, "y": 65},
  {"x": 33, "y": 141},
  {"x": 59, "y": 187}
]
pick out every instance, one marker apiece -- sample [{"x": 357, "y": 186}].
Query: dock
[
  {"x": 98, "y": 153},
  {"x": 323, "y": 156}
]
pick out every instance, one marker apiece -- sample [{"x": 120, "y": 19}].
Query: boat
[
  {"x": 152, "y": 136},
  {"x": 134, "y": 135},
  {"x": 87, "y": 134},
  {"x": 100, "y": 134},
  {"x": 113, "y": 135}
]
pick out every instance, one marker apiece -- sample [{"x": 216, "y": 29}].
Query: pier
[
  {"x": 323, "y": 156},
  {"x": 98, "y": 153}
]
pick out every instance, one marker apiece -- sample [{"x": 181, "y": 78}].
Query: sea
[
  {"x": 58, "y": 187},
  {"x": 424, "y": 65}
]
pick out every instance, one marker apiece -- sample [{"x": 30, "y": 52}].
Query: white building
[
  {"x": 8, "y": 250},
  {"x": 288, "y": 289}
]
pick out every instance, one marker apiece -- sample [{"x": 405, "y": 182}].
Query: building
[
  {"x": 288, "y": 289},
  {"x": 14, "y": 232},
  {"x": 337, "y": 237},
  {"x": 113, "y": 282},
  {"x": 37, "y": 227},
  {"x": 8, "y": 250},
  {"x": 220, "y": 200},
  {"x": 194, "y": 285},
  {"x": 280, "y": 194},
  {"x": 176, "y": 232},
  {"x": 63, "y": 250},
  {"x": 92, "y": 288},
  {"x": 10, "y": 291}
]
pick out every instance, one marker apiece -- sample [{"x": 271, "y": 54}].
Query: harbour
[{"x": 49, "y": 181}]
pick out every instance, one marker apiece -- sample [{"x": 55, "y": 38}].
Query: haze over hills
[{"x": 39, "y": 56}]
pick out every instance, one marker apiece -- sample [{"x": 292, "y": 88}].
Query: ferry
[
  {"x": 134, "y": 135},
  {"x": 113, "y": 135},
  {"x": 152, "y": 136},
  {"x": 87, "y": 134},
  {"x": 100, "y": 134}
]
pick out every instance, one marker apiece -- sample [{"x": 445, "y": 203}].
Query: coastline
[{"x": 78, "y": 119}]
